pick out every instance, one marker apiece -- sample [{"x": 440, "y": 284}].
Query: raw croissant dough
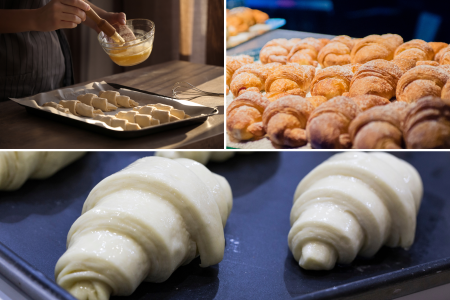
[
  {"x": 353, "y": 203},
  {"x": 201, "y": 156},
  {"x": 142, "y": 223},
  {"x": 17, "y": 166}
]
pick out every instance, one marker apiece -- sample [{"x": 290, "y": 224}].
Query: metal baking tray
[
  {"x": 257, "y": 264},
  {"x": 199, "y": 113}
]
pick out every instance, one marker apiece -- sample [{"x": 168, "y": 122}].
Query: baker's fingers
[
  {"x": 69, "y": 25},
  {"x": 74, "y": 11},
  {"x": 77, "y": 3},
  {"x": 71, "y": 18}
]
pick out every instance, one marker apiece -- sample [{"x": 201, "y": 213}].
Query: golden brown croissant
[
  {"x": 316, "y": 101},
  {"x": 291, "y": 78},
  {"x": 251, "y": 76},
  {"x": 405, "y": 64},
  {"x": 375, "y": 47},
  {"x": 379, "y": 127},
  {"x": 345, "y": 39},
  {"x": 443, "y": 56},
  {"x": 234, "y": 63},
  {"x": 284, "y": 120},
  {"x": 437, "y": 46},
  {"x": 335, "y": 53},
  {"x": 305, "y": 52},
  {"x": 415, "y": 49},
  {"x": 244, "y": 13},
  {"x": 421, "y": 81},
  {"x": 332, "y": 81},
  {"x": 243, "y": 111},
  {"x": 377, "y": 77},
  {"x": 368, "y": 101},
  {"x": 428, "y": 63},
  {"x": 427, "y": 124},
  {"x": 277, "y": 50},
  {"x": 327, "y": 127},
  {"x": 260, "y": 16}
]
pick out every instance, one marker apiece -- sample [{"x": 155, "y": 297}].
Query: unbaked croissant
[
  {"x": 285, "y": 120},
  {"x": 293, "y": 79},
  {"x": 375, "y": 47},
  {"x": 244, "y": 111},
  {"x": 417, "y": 50},
  {"x": 327, "y": 127},
  {"x": 332, "y": 81},
  {"x": 427, "y": 124},
  {"x": 379, "y": 127},
  {"x": 250, "y": 77},
  {"x": 421, "y": 81},
  {"x": 17, "y": 166},
  {"x": 202, "y": 157},
  {"x": 234, "y": 63},
  {"x": 353, "y": 204},
  {"x": 377, "y": 77},
  {"x": 141, "y": 224},
  {"x": 337, "y": 52}
]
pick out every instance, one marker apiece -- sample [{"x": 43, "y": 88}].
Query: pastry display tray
[
  {"x": 198, "y": 113},
  {"x": 257, "y": 263},
  {"x": 272, "y": 24}
]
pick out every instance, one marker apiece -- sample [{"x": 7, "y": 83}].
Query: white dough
[
  {"x": 161, "y": 106},
  {"x": 162, "y": 115},
  {"x": 106, "y": 119},
  {"x": 71, "y": 105},
  {"x": 143, "y": 120},
  {"x": 87, "y": 98},
  {"x": 155, "y": 121},
  {"x": 141, "y": 224},
  {"x": 17, "y": 166},
  {"x": 110, "y": 96},
  {"x": 115, "y": 122},
  {"x": 173, "y": 118},
  {"x": 353, "y": 203},
  {"x": 132, "y": 126},
  {"x": 200, "y": 156},
  {"x": 177, "y": 113},
  {"x": 86, "y": 110},
  {"x": 125, "y": 101},
  {"x": 103, "y": 104},
  {"x": 146, "y": 110},
  {"x": 127, "y": 115}
]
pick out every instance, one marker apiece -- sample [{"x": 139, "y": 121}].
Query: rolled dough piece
[
  {"x": 177, "y": 113},
  {"x": 86, "y": 110},
  {"x": 162, "y": 115},
  {"x": 173, "y": 118},
  {"x": 115, "y": 122},
  {"x": 353, "y": 204},
  {"x": 146, "y": 110},
  {"x": 125, "y": 101},
  {"x": 106, "y": 119},
  {"x": 51, "y": 104},
  {"x": 187, "y": 116},
  {"x": 87, "y": 98},
  {"x": 161, "y": 106},
  {"x": 71, "y": 105},
  {"x": 141, "y": 224},
  {"x": 103, "y": 104},
  {"x": 127, "y": 115},
  {"x": 143, "y": 120},
  {"x": 132, "y": 126},
  {"x": 155, "y": 121},
  {"x": 17, "y": 166},
  {"x": 110, "y": 96}
]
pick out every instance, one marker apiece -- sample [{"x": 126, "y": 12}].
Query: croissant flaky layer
[
  {"x": 142, "y": 223},
  {"x": 352, "y": 204},
  {"x": 18, "y": 166}
]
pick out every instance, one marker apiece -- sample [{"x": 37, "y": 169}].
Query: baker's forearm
[
  {"x": 18, "y": 20},
  {"x": 100, "y": 12}
]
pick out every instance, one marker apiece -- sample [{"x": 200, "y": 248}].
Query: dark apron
[{"x": 32, "y": 62}]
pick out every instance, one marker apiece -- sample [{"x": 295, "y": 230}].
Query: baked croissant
[
  {"x": 417, "y": 50},
  {"x": 327, "y": 127},
  {"x": 379, "y": 127},
  {"x": 375, "y": 47},
  {"x": 285, "y": 120},
  {"x": 291, "y": 78},
  {"x": 17, "y": 166},
  {"x": 251, "y": 77},
  {"x": 337, "y": 52},
  {"x": 437, "y": 46},
  {"x": 234, "y": 63},
  {"x": 141, "y": 224},
  {"x": 275, "y": 50},
  {"x": 377, "y": 77},
  {"x": 353, "y": 204},
  {"x": 199, "y": 156},
  {"x": 427, "y": 124},
  {"x": 443, "y": 56},
  {"x": 406, "y": 64},
  {"x": 332, "y": 81},
  {"x": 305, "y": 52},
  {"x": 243, "y": 111},
  {"x": 368, "y": 101},
  {"x": 421, "y": 81}
]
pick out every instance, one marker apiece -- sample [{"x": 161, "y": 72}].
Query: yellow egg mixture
[{"x": 131, "y": 56}]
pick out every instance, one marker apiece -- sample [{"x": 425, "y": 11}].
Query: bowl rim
[{"x": 114, "y": 45}]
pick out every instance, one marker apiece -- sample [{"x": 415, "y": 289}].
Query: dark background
[{"x": 412, "y": 19}]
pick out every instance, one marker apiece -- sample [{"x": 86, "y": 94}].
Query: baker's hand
[
  {"x": 113, "y": 19},
  {"x": 59, "y": 14}
]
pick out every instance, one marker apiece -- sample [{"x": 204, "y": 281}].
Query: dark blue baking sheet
[{"x": 257, "y": 264}]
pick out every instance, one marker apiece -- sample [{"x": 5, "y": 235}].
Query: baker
[{"x": 34, "y": 52}]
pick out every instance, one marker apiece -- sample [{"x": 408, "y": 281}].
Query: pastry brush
[{"x": 104, "y": 26}]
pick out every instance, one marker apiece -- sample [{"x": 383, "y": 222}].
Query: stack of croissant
[
  {"x": 240, "y": 19},
  {"x": 371, "y": 93}
]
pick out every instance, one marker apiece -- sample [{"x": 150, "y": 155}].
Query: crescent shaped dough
[
  {"x": 127, "y": 115},
  {"x": 146, "y": 110},
  {"x": 70, "y": 105},
  {"x": 141, "y": 224},
  {"x": 116, "y": 122},
  {"x": 87, "y": 98},
  {"x": 86, "y": 110},
  {"x": 162, "y": 115},
  {"x": 143, "y": 120},
  {"x": 161, "y": 106},
  {"x": 110, "y": 96},
  {"x": 103, "y": 104},
  {"x": 17, "y": 166},
  {"x": 353, "y": 203},
  {"x": 125, "y": 101}
]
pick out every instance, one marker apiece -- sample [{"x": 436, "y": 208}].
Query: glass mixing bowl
[{"x": 134, "y": 51}]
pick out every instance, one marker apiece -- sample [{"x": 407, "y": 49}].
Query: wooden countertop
[{"x": 21, "y": 130}]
